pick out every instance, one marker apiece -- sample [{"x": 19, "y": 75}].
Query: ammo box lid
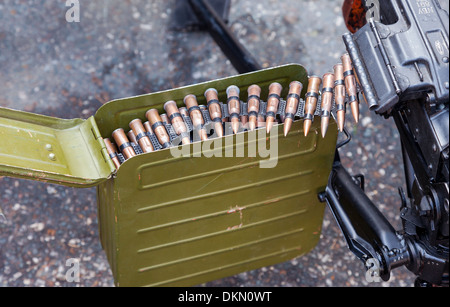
[
  {"x": 65, "y": 152},
  {"x": 71, "y": 152}
]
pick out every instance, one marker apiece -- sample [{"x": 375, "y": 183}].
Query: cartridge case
[
  {"x": 292, "y": 101},
  {"x": 132, "y": 137},
  {"x": 142, "y": 138},
  {"x": 254, "y": 98},
  {"x": 312, "y": 97},
  {"x": 234, "y": 107},
  {"x": 339, "y": 95},
  {"x": 184, "y": 111},
  {"x": 177, "y": 121},
  {"x": 148, "y": 128},
  {"x": 273, "y": 102},
  {"x": 158, "y": 127},
  {"x": 327, "y": 101},
  {"x": 165, "y": 119},
  {"x": 203, "y": 109},
  {"x": 123, "y": 143},
  {"x": 215, "y": 112},
  {"x": 196, "y": 116},
  {"x": 112, "y": 152},
  {"x": 350, "y": 85}
]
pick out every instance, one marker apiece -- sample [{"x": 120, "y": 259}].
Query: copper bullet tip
[
  {"x": 355, "y": 111},
  {"x": 341, "y": 120},
  {"x": 287, "y": 126},
  {"x": 252, "y": 122},
  {"x": 235, "y": 123},
  {"x": 307, "y": 126},
  {"x": 269, "y": 123},
  {"x": 325, "y": 122}
]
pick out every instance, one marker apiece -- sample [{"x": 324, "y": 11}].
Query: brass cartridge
[
  {"x": 112, "y": 152},
  {"x": 148, "y": 128},
  {"x": 124, "y": 144},
  {"x": 142, "y": 138},
  {"x": 312, "y": 97},
  {"x": 339, "y": 95},
  {"x": 254, "y": 98},
  {"x": 234, "y": 107},
  {"x": 132, "y": 137},
  {"x": 165, "y": 119},
  {"x": 350, "y": 85},
  {"x": 273, "y": 102},
  {"x": 327, "y": 101},
  {"x": 158, "y": 127},
  {"x": 177, "y": 121},
  {"x": 196, "y": 116},
  {"x": 215, "y": 112},
  {"x": 184, "y": 111},
  {"x": 292, "y": 101}
]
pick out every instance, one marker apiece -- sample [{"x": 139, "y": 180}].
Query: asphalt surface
[{"x": 127, "y": 48}]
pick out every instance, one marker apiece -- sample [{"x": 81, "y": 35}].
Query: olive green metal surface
[
  {"x": 66, "y": 152},
  {"x": 183, "y": 221},
  {"x": 167, "y": 220}
]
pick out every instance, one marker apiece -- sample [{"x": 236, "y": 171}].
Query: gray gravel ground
[{"x": 126, "y": 48}]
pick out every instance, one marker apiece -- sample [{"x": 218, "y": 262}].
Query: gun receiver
[{"x": 401, "y": 63}]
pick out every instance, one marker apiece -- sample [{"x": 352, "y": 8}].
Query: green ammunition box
[{"x": 170, "y": 220}]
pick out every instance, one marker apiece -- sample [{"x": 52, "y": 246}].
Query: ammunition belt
[{"x": 280, "y": 115}]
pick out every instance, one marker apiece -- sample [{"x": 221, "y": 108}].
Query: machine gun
[
  {"x": 401, "y": 61},
  {"x": 400, "y": 53}
]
